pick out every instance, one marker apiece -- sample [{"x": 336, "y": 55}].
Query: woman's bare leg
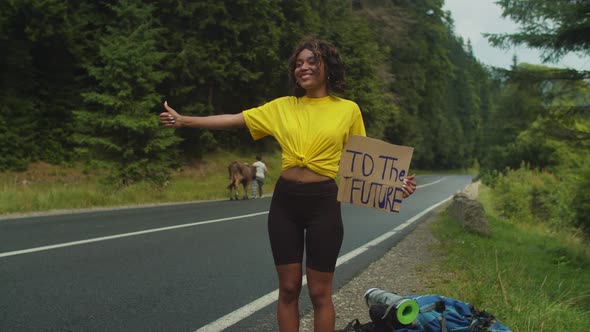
[
  {"x": 289, "y": 289},
  {"x": 320, "y": 292}
]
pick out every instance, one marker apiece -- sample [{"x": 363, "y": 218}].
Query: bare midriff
[{"x": 303, "y": 174}]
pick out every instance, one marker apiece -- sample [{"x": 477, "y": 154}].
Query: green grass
[
  {"x": 531, "y": 278},
  {"x": 48, "y": 187}
]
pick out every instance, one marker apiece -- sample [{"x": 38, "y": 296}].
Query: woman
[{"x": 311, "y": 128}]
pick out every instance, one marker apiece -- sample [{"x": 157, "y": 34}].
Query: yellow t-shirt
[{"x": 311, "y": 131}]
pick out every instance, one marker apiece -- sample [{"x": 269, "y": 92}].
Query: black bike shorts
[{"x": 305, "y": 216}]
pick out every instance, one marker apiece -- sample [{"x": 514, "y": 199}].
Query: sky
[{"x": 474, "y": 17}]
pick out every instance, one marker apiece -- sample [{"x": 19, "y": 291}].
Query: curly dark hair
[{"x": 328, "y": 55}]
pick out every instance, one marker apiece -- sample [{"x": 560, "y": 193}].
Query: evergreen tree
[
  {"x": 224, "y": 59},
  {"x": 556, "y": 27},
  {"x": 464, "y": 101},
  {"x": 37, "y": 85},
  {"x": 363, "y": 57},
  {"x": 119, "y": 122},
  {"x": 17, "y": 108},
  {"x": 421, "y": 65}
]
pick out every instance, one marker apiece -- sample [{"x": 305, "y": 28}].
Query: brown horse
[{"x": 239, "y": 173}]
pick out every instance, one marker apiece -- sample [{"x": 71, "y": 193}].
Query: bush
[
  {"x": 530, "y": 195},
  {"x": 512, "y": 196}
]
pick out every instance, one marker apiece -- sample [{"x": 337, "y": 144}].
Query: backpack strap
[
  {"x": 473, "y": 325},
  {"x": 443, "y": 323},
  {"x": 438, "y": 306}
]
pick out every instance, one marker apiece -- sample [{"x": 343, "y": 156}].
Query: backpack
[
  {"x": 437, "y": 314},
  {"x": 444, "y": 314}
]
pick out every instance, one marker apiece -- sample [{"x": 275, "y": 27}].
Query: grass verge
[
  {"x": 47, "y": 187},
  {"x": 44, "y": 187},
  {"x": 529, "y": 277}
]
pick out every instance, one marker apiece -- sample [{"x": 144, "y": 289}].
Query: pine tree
[
  {"x": 119, "y": 123},
  {"x": 556, "y": 27}
]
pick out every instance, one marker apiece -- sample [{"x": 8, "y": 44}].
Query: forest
[{"x": 84, "y": 82}]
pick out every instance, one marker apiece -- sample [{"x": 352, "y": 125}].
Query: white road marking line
[
  {"x": 431, "y": 183},
  {"x": 13, "y": 216},
  {"x": 250, "y": 308},
  {"x": 111, "y": 237}
]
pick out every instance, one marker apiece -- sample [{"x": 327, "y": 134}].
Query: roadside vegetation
[
  {"x": 533, "y": 273},
  {"x": 44, "y": 187}
]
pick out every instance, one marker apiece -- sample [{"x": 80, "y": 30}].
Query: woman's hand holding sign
[{"x": 409, "y": 185}]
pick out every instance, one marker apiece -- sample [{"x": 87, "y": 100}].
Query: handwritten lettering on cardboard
[{"x": 371, "y": 173}]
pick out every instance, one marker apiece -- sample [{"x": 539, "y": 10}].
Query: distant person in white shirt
[{"x": 260, "y": 172}]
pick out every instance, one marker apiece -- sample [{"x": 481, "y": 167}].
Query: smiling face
[{"x": 310, "y": 74}]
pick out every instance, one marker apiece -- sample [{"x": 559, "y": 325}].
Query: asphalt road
[{"x": 198, "y": 266}]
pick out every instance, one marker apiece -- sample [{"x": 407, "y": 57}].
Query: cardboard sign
[{"x": 371, "y": 173}]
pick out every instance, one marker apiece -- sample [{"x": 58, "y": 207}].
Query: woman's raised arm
[{"x": 171, "y": 119}]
